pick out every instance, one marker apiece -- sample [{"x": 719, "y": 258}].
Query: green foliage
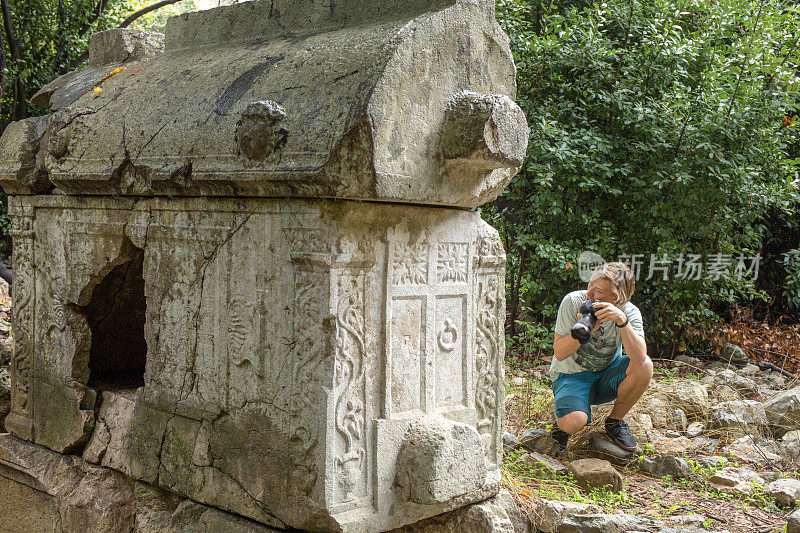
[
  {"x": 44, "y": 39},
  {"x": 656, "y": 127},
  {"x": 791, "y": 262},
  {"x": 157, "y": 20},
  {"x": 47, "y": 38}
]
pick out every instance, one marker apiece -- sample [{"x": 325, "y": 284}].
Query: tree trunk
[{"x": 515, "y": 293}]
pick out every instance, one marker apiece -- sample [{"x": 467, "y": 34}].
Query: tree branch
[
  {"x": 146, "y": 10},
  {"x": 744, "y": 62},
  {"x": 98, "y": 10},
  {"x": 13, "y": 44},
  {"x": 2, "y": 71}
]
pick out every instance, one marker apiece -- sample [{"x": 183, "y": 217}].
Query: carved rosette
[
  {"x": 452, "y": 262},
  {"x": 410, "y": 264},
  {"x": 489, "y": 346},
  {"x": 20, "y": 421}
]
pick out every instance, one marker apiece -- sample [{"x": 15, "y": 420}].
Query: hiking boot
[
  {"x": 620, "y": 434},
  {"x": 560, "y": 437}
]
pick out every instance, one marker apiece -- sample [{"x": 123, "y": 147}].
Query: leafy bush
[{"x": 656, "y": 127}]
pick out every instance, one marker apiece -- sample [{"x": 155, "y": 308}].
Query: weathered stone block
[
  {"x": 354, "y": 120},
  {"x": 120, "y": 45},
  {"x": 206, "y": 305},
  {"x": 286, "y": 346},
  {"x": 19, "y": 144},
  {"x": 42, "y": 491},
  {"x": 440, "y": 460}
]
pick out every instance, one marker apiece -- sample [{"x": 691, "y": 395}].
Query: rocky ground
[{"x": 719, "y": 449}]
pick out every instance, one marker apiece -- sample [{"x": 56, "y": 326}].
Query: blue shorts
[{"x": 578, "y": 392}]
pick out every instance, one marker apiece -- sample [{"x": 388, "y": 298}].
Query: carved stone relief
[
  {"x": 489, "y": 347},
  {"x": 311, "y": 286},
  {"x": 350, "y": 353},
  {"x": 410, "y": 263},
  {"x": 452, "y": 263},
  {"x": 23, "y": 321}
]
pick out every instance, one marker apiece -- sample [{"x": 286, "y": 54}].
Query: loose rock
[
  {"x": 692, "y": 520},
  {"x": 548, "y": 515},
  {"x": 590, "y": 473},
  {"x": 774, "y": 380},
  {"x": 688, "y": 359},
  {"x": 759, "y": 453},
  {"x": 749, "y": 370},
  {"x": 608, "y": 523},
  {"x": 741, "y": 416},
  {"x": 672, "y": 446},
  {"x": 791, "y": 444},
  {"x": 712, "y": 461},
  {"x": 518, "y": 519},
  {"x": 732, "y": 480},
  {"x": 544, "y": 462},
  {"x": 723, "y": 393},
  {"x": 744, "y": 386},
  {"x": 687, "y": 395},
  {"x": 665, "y": 465},
  {"x": 603, "y": 448},
  {"x": 783, "y": 411},
  {"x": 510, "y": 441},
  {"x": 539, "y": 440},
  {"x": 734, "y": 354},
  {"x": 695, "y": 429},
  {"x": 785, "y": 491},
  {"x": 793, "y": 524}
]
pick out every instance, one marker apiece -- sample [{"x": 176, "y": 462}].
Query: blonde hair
[{"x": 621, "y": 279}]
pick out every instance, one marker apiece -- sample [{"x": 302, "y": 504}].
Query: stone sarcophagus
[{"x": 246, "y": 268}]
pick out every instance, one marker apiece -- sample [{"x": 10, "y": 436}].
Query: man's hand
[
  {"x": 608, "y": 312},
  {"x": 596, "y": 324}
]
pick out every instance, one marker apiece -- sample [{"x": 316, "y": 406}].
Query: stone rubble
[
  {"x": 725, "y": 412},
  {"x": 510, "y": 441},
  {"x": 665, "y": 465},
  {"x": 738, "y": 417},
  {"x": 539, "y": 440},
  {"x": 733, "y": 480},
  {"x": 548, "y": 515}
]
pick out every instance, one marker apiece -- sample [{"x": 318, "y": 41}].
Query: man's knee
[
  {"x": 572, "y": 422},
  {"x": 642, "y": 373}
]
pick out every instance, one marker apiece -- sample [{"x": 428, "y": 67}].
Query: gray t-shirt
[{"x": 603, "y": 346}]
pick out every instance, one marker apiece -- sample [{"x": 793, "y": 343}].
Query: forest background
[{"x": 661, "y": 131}]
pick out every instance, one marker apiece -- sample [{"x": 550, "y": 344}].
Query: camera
[{"x": 583, "y": 328}]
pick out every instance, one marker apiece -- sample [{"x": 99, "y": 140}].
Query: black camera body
[{"x": 583, "y": 327}]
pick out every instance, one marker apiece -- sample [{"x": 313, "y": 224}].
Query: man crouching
[{"x": 596, "y": 371}]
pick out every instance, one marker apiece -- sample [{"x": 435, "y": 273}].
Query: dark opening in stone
[{"x": 116, "y": 315}]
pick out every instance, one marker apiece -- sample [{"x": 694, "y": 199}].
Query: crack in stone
[
  {"x": 150, "y": 140},
  {"x": 245, "y": 491},
  {"x": 202, "y": 278}
]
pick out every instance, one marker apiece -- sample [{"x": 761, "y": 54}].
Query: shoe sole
[{"x": 623, "y": 446}]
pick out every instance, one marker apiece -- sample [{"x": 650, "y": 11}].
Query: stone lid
[{"x": 406, "y": 103}]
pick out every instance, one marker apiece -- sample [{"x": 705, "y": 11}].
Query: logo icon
[{"x": 587, "y": 262}]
